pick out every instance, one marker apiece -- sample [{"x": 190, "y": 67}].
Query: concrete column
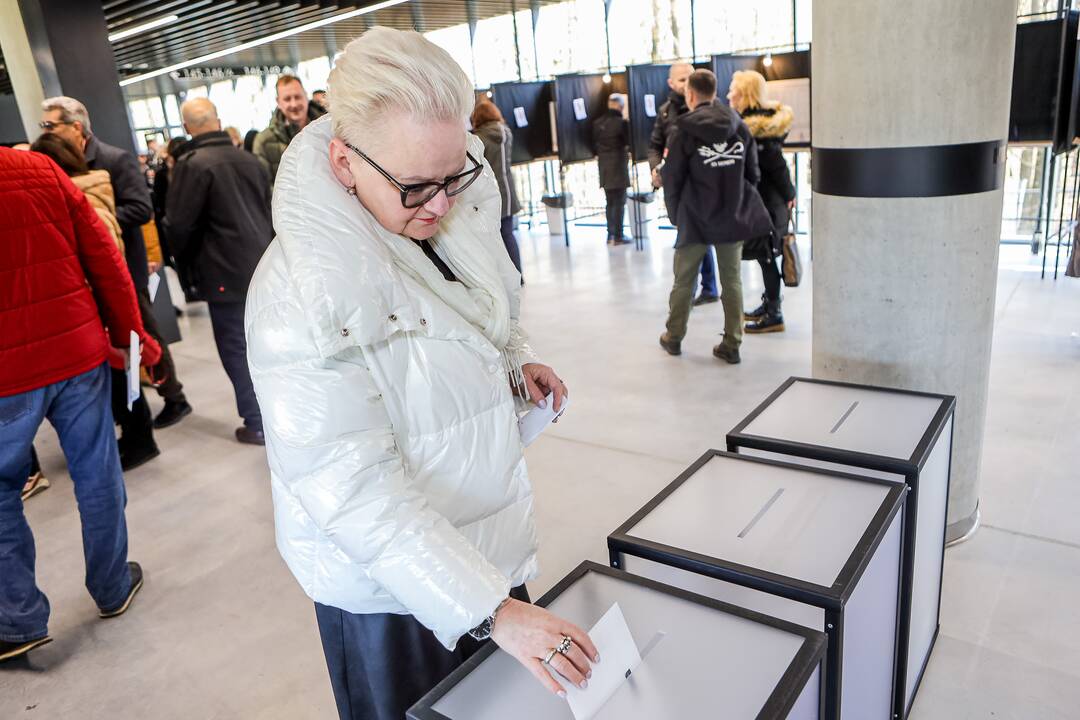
[
  {"x": 61, "y": 47},
  {"x": 905, "y": 269}
]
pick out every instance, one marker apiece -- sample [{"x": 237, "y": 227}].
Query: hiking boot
[
  {"x": 727, "y": 354},
  {"x": 758, "y": 312},
  {"x": 767, "y": 324},
  {"x": 673, "y": 347},
  {"x": 704, "y": 299},
  {"x": 34, "y": 484},
  {"x": 10, "y": 650},
  {"x": 136, "y": 585},
  {"x": 172, "y": 413}
]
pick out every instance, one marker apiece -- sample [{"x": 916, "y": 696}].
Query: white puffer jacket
[{"x": 395, "y": 461}]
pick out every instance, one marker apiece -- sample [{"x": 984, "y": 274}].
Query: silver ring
[
  {"x": 565, "y": 645},
  {"x": 547, "y": 660}
]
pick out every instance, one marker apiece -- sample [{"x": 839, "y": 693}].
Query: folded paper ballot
[
  {"x": 134, "y": 361},
  {"x": 619, "y": 657},
  {"x": 534, "y": 422}
]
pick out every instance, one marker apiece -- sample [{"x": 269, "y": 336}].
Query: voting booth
[
  {"x": 526, "y": 108},
  {"x": 699, "y": 658},
  {"x": 819, "y": 548},
  {"x": 890, "y": 434}
]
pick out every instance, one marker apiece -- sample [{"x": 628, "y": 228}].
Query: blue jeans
[
  {"x": 79, "y": 408},
  {"x": 708, "y": 276}
]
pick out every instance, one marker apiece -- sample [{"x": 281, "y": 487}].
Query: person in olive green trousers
[{"x": 710, "y": 177}]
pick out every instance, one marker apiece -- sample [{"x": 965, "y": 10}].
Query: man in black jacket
[
  {"x": 709, "y": 177},
  {"x": 68, "y": 118},
  {"x": 673, "y": 109},
  {"x": 611, "y": 140},
  {"x": 218, "y": 223}
]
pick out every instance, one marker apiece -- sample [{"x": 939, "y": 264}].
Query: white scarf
[{"x": 468, "y": 241}]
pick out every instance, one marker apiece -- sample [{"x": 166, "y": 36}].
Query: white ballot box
[
  {"x": 700, "y": 658},
  {"x": 891, "y": 434},
  {"x": 815, "y": 547}
]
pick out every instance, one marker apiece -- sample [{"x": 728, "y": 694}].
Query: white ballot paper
[
  {"x": 619, "y": 657},
  {"x": 579, "y": 109},
  {"x": 152, "y": 286},
  {"x": 534, "y": 422},
  {"x": 134, "y": 360}
]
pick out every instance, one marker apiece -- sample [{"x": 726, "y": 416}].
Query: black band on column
[{"x": 927, "y": 171}]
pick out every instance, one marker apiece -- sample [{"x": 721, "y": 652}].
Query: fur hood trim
[{"x": 774, "y": 122}]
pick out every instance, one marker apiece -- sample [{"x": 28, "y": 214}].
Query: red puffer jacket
[{"x": 60, "y": 277}]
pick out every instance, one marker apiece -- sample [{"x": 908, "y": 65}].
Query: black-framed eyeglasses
[
  {"x": 415, "y": 195},
  {"x": 50, "y": 125}
]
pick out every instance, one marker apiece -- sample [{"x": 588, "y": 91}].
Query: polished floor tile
[{"x": 221, "y": 629}]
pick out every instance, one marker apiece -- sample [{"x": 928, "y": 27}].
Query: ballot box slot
[
  {"x": 844, "y": 417},
  {"x": 761, "y": 513}
]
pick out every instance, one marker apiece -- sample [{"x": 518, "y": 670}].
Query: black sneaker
[
  {"x": 11, "y": 650},
  {"x": 621, "y": 241},
  {"x": 766, "y": 324},
  {"x": 705, "y": 299},
  {"x": 136, "y": 586},
  {"x": 250, "y": 437},
  {"x": 727, "y": 354},
  {"x": 131, "y": 458},
  {"x": 673, "y": 347},
  {"x": 172, "y": 413}
]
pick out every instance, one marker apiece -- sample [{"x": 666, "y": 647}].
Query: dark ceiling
[{"x": 208, "y": 26}]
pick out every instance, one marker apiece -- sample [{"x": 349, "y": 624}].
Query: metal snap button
[
  {"x": 345, "y": 332},
  {"x": 393, "y": 318},
  {"x": 423, "y": 322}
]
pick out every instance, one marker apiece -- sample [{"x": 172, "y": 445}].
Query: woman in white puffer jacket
[{"x": 383, "y": 343}]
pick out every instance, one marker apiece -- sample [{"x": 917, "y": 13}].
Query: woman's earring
[{"x": 352, "y": 191}]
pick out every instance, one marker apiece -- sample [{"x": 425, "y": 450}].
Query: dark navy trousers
[{"x": 382, "y": 664}]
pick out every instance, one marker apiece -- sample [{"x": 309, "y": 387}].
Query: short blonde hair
[
  {"x": 751, "y": 85},
  {"x": 386, "y": 71}
]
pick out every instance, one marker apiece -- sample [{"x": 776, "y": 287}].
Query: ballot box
[
  {"x": 700, "y": 658},
  {"x": 890, "y": 434},
  {"x": 815, "y": 547}
]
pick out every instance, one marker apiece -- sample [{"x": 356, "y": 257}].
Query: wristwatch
[{"x": 483, "y": 630}]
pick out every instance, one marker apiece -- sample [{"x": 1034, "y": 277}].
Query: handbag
[{"x": 791, "y": 263}]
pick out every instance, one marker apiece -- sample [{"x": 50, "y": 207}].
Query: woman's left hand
[{"x": 540, "y": 381}]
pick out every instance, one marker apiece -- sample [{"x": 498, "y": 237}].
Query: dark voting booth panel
[
  {"x": 788, "y": 78},
  {"x": 648, "y": 89},
  {"x": 580, "y": 99},
  {"x": 525, "y": 107},
  {"x": 1044, "y": 76}
]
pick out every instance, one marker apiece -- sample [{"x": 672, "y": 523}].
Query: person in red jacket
[{"x": 62, "y": 283}]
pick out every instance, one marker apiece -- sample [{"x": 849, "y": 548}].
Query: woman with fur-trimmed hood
[{"x": 769, "y": 122}]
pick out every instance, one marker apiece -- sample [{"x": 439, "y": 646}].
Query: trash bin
[
  {"x": 555, "y": 206},
  {"x": 642, "y": 212}
]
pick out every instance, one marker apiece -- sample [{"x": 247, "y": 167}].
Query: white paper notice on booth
[
  {"x": 650, "y": 106},
  {"x": 619, "y": 657},
  {"x": 579, "y": 109},
  {"x": 520, "y": 118}
]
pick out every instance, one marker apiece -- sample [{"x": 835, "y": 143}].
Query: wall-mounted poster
[{"x": 795, "y": 94}]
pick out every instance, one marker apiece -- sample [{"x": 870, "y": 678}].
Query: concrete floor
[{"x": 221, "y": 630}]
